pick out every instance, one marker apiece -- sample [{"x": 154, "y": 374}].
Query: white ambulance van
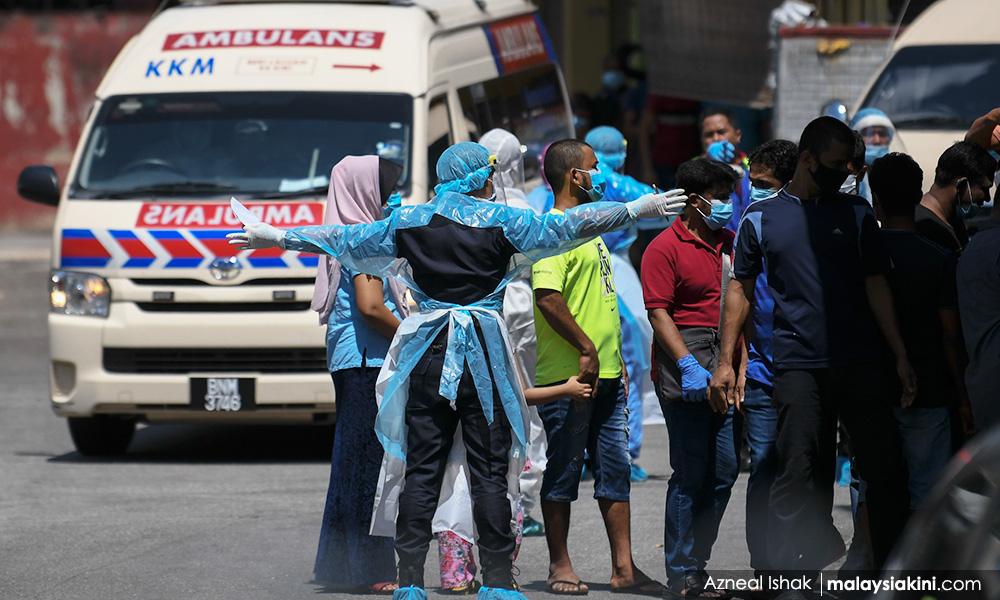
[
  {"x": 154, "y": 318},
  {"x": 943, "y": 73}
]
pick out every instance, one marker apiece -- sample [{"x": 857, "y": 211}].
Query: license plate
[{"x": 222, "y": 394}]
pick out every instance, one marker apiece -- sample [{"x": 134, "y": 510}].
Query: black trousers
[
  {"x": 432, "y": 421},
  {"x": 809, "y": 403}
]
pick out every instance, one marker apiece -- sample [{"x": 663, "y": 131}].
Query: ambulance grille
[
  {"x": 222, "y": 306},
  {"x": 202, "y": 360},
  {"x": 281, "y": 281}
]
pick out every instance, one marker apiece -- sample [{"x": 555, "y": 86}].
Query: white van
[
  {"x": 154, "y": 317},
  {"x": 943, "y": 74}
]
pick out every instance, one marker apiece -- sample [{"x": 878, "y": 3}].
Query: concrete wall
[
  {"x": 818, "y": 65},
  {"x": 49, "y": 68}
]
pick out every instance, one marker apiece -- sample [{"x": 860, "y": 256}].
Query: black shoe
[{"x": 411, "y": 575}]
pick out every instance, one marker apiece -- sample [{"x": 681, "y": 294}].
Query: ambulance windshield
[{"x": 255, "y": 144}]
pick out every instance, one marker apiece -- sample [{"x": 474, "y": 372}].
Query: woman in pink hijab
[{"x": 361, "y": 313}]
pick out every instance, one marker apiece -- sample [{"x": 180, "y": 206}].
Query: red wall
[{"x": 49, "y": 68}]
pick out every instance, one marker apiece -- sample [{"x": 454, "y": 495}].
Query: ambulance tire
[{"x": 101, "y": 435}]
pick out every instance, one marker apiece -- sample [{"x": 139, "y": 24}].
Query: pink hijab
[{"x": 354, "y": 198}]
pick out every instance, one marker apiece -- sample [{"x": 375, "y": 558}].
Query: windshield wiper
[
  {"x": 183, "y": 187},
  {"x": 933, "y": 121},
  {"x": 313, "y": 191}
]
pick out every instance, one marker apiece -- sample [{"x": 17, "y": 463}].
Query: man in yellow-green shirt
[{"x": 579, "y": 334}]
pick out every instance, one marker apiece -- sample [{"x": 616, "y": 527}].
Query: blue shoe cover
[
  {"x": 410, "y": 593},
  {"x": 843, "y": 471},
  {"x": 488, "y": 593}
]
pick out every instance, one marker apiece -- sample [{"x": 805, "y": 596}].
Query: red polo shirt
[{"x": 683, "y": 275}]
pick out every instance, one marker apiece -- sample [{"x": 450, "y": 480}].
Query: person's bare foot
[{"x": 565, "y": 582}]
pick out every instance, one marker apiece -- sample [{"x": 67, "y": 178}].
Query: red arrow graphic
[{"x": 367, "y": 67}]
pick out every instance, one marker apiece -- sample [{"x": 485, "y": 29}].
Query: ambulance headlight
[{"x": 72, "y": 293}]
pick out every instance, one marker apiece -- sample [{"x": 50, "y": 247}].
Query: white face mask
[{"x": 850, "y": 185}]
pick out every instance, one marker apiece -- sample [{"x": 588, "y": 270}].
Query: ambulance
[
  {"x": 943, "y": 73},
  {"x": 154, "y": 317}
]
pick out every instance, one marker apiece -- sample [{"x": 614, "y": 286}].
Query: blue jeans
[
  {"x": 761, "y": 423},
  {"x": 704, "y": 462},
  {"x": 599, "y": 427},
  {"x": 926, "y": 434}
]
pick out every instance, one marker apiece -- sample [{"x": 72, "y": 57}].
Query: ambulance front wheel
[{"x": 101, "y": 435}]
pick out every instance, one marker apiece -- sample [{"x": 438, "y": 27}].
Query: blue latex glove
[
  {"x": 694, "y": 379},
  {"x": 722, "y": 151}
]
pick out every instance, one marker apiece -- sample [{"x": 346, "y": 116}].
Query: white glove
[
  {"x": 257, "y": 236},
  {"x": 652, "y": 206}
]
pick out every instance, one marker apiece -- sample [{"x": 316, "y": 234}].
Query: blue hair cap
[
  {"x": 609, "y": 146},
  {"x": 463, "y": 168}
]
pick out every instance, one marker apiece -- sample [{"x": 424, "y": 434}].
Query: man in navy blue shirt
[
  {"x": 772, "y": 166},
  {"x": 825, "y": 265}
]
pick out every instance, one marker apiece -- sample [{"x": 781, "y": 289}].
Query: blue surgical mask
[
  {"x": 873, "y": 153},
  {"x": 596, "y": 191},
  {"x": 395, "y": 201},
  {"x": 613, "y": 80},
  {"x": 757, "y": 193},
  {"x": 865, "y": 191},
  {"x": 721, "y": 213},
  {"x": 967, "y": 213}
]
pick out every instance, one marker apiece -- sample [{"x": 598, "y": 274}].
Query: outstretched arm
[
  {"x": 366, "y": 248},
  {"x": 572, "y": 389},
  {"x": 539, "y": 237}
]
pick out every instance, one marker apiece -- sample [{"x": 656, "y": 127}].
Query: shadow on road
[{"x": 203, "y": 444}]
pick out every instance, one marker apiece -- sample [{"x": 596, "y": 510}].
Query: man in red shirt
[{"x": 682, "y": 272}]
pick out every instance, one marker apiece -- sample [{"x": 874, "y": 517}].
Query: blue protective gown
[{"x": 371, "y": 248}]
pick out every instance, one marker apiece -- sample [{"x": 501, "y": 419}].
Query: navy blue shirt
[{"x": 816, "y": 255}]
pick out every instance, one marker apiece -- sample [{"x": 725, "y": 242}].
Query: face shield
[
  {"x": 508, "y": 152},
  {"x": 500, "y": 191}
]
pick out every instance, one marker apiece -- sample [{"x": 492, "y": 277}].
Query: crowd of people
[{"x": 489, "y": 349}]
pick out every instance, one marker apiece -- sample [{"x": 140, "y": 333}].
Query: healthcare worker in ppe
[
  {"x": 451, "y": 363},
  {"x": 518, "y": 311},
  {"x": 879, "y": 134},
  {"x": 637, "y": 335},
  {"x": 453, "y": 520}
]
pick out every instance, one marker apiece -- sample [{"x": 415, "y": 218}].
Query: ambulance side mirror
[{"x": 39, "y": 183}]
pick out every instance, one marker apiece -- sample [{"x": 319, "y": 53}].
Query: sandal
[
  {"x": 385, "y": 588},
  {"x": 550, "y": 587},
  {"x": 694, "y": 587},
  {"x": 644, "y": 588}
]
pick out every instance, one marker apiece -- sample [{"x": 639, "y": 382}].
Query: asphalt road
[{"x": 215, "y": 512}]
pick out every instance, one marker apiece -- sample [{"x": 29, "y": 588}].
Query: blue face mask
[
  {"x": 721, "y": 213},
  {"x": 596, "y": 192},
  {"x": 757, "y": 193},
  {"x": 613, "y": 80},
  {"x": 873, "y": 153},
  {"x": 967, "y": 213},
  {"x": 395, "y": 201}
]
